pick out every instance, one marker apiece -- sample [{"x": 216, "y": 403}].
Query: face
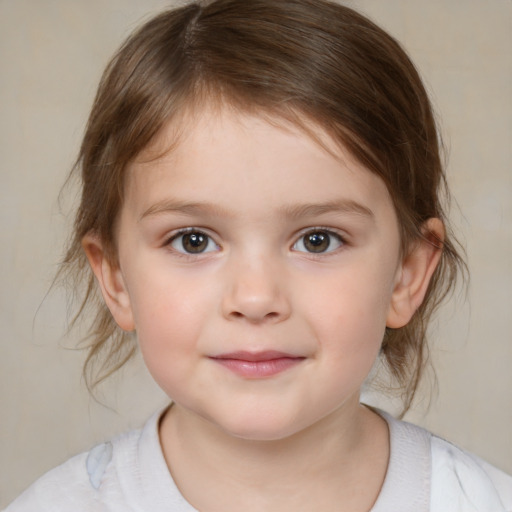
[{"x": 258, "y": 269}]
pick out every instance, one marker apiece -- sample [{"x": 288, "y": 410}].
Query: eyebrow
[
  {"x": 341, "y": 206},
  {"x": 185, "y": 208}
]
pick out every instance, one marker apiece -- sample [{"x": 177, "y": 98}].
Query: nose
[{"x": 255, "y": 292}]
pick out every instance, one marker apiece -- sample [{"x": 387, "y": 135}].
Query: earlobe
[
  {"x": 415, "y": 274},
  {"x": 111, "y": 282}
]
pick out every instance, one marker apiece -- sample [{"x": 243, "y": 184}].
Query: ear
[
  {"x": 415, "y": 273},
  {"x": 111, "y": 282}
]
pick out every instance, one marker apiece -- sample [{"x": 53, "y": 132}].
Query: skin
[{"x": 256, "y": 192}]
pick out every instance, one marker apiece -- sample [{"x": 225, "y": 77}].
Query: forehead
[{"x": 226, "y": 157}]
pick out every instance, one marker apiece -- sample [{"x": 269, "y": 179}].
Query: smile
[{"x": 257, "y": 365}]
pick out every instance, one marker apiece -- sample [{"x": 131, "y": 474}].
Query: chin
[{"x": 263, "y": 427}]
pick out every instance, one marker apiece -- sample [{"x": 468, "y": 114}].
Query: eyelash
[
  {"x": 324, "y": 232},
  {"x": 332, "y": 235},
  {"x": 190, "y": 231}
]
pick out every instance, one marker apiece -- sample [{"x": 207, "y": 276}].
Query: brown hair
[{"x": 300, "y": 60}]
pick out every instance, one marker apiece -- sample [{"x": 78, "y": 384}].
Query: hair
[{"x": 311, "y": 62}]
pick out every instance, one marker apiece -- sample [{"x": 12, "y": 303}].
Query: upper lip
[{"x": 266, "y": 355}]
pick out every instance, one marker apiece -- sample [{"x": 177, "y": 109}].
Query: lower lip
[{"x": 259, "y": 369}]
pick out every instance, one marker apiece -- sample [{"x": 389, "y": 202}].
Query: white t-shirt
[{"x": 129, "y": 474}]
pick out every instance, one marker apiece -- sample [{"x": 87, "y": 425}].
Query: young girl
[{"x": 261, "y": 205}]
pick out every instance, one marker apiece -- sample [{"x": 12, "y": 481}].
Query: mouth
[{"x": 257, "y": 365}]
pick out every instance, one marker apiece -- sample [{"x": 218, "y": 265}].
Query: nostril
[
  {"x": 255, "y": 301},
  {"x": 272, "y": 315}
]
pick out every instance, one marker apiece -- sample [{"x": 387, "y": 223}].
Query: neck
[{"x": 340, "y": 459}]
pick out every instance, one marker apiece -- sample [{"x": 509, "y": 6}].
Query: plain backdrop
[{"x": 52, "y": 53}]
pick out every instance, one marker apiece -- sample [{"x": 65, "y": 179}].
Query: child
[{"x": 261, "y": 204}]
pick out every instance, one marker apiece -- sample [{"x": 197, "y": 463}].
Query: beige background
[{"x": 51, "y": 55}]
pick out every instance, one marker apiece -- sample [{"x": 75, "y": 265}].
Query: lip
[{"x": 257, "y": 365}]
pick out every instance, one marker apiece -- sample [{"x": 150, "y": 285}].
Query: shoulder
[
  {"x": 453, "y": 478},
  {"x": 127, "y": 474},
  {"x": 462, "y": 481},
  {"x": 75, "y": 485},
  {"x": 57, "y": 490}
]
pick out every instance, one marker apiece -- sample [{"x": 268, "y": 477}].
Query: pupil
[
  {"x": 195, "y": 242},
  {"x": 317, "y": 242}
]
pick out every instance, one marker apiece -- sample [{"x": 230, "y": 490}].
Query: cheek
[
  {"x": 349, "y": 311},
  {"x": 168, "y": 332},
  {"x": 350, "y": 335},
  {"x": 169, "y": 314}
]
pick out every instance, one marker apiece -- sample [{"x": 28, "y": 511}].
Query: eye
[
  {"x": 193, "y": 242},
  {"x": 318, "y": 241}
]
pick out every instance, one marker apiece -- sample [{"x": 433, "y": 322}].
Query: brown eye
[
  {"x": 318, "y": 242},
  {"x": 193, "y": 242}
]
